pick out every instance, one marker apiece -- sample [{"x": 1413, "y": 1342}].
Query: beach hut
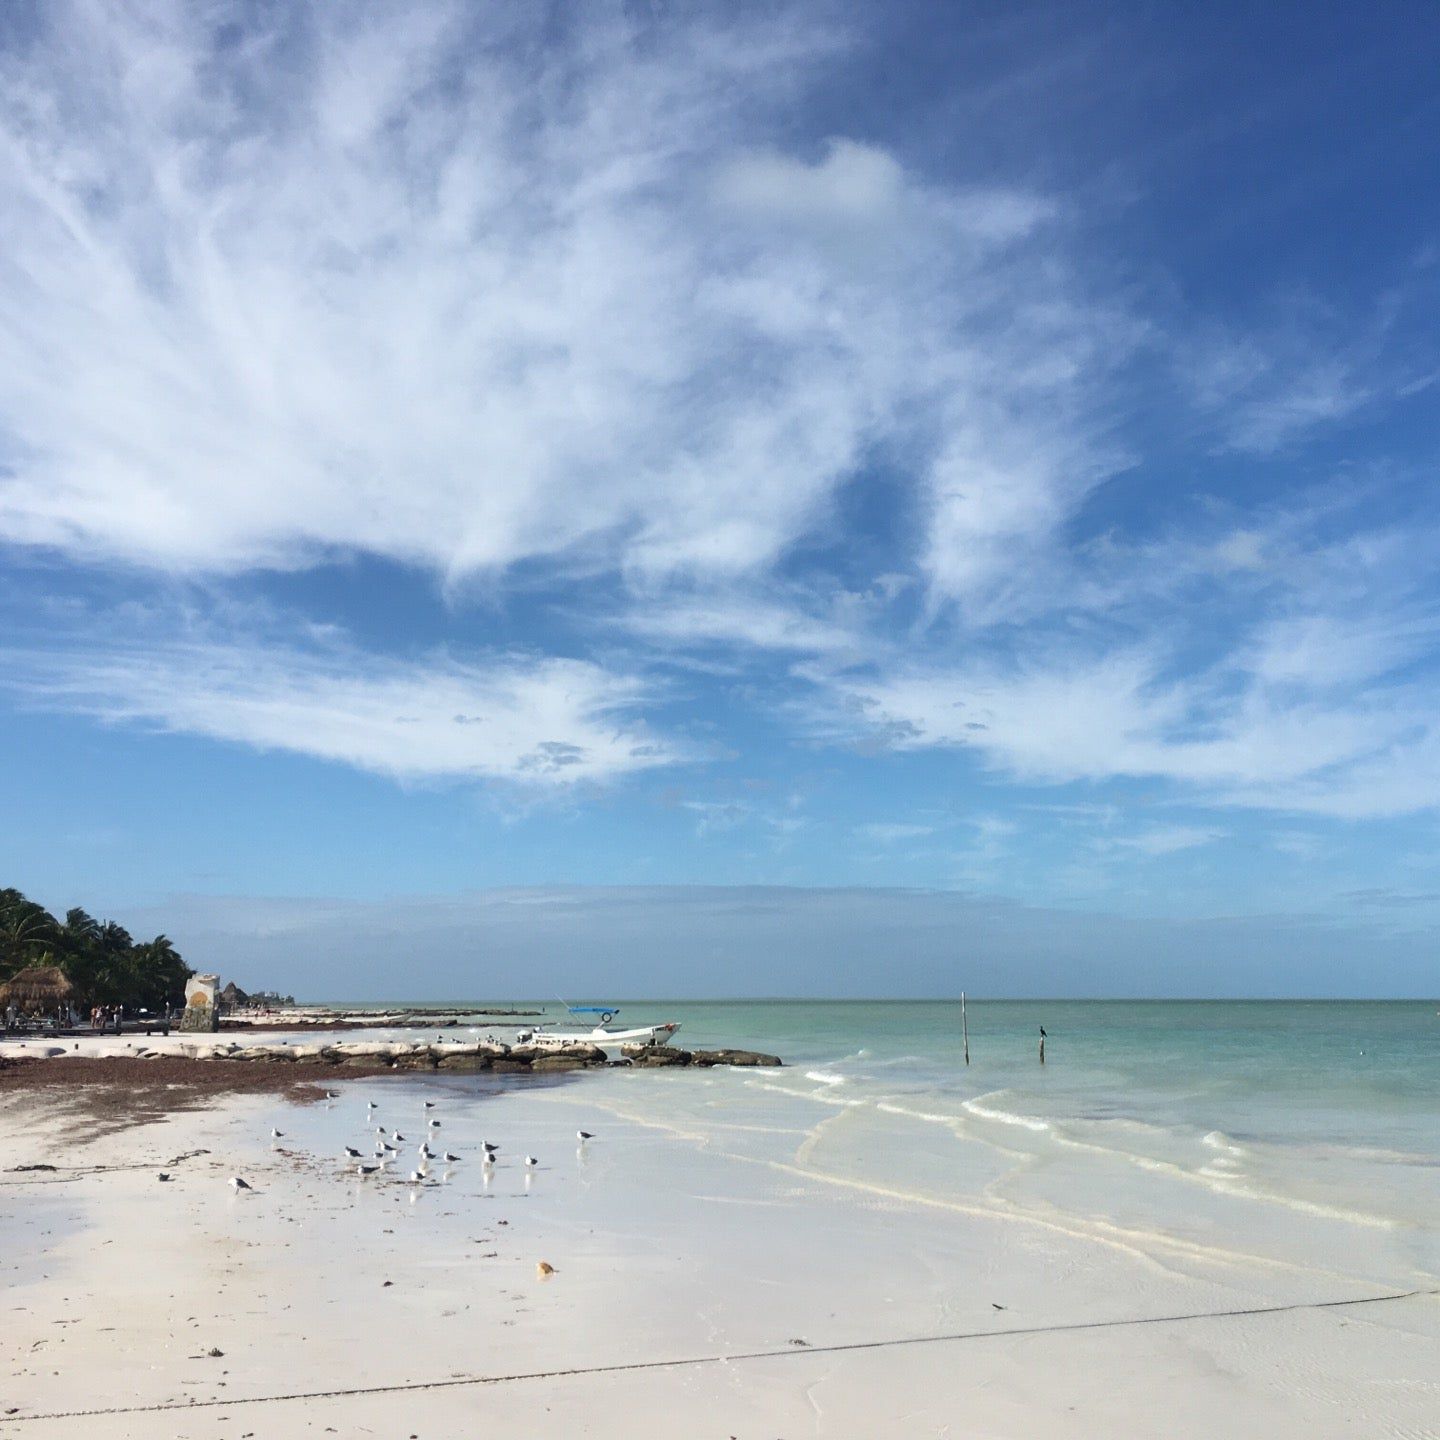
[{"x": 37, "y": 989}]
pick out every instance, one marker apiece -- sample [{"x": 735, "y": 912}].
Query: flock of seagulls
[{"x": 387, "y": 1150}]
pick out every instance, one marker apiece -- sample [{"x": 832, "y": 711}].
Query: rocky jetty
[
  {"x": 654, "y": 1056},
  {"x": 374, "y": 1056}
]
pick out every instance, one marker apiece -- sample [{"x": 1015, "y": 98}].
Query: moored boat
[{"x": 601, "y": 1034}]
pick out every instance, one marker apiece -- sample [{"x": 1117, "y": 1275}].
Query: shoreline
[
  {"x": 688, "y": 1279},
  {"x": 828, "y": 1249}
]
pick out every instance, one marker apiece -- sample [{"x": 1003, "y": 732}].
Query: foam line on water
[
  {"x": 977, "y": 1108},
  {"x": 818, "y": 1095},
  {"x": 1228, "y": 1185},
  {"x": 1144, "y": 1245}
]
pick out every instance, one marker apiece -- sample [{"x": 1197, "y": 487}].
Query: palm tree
[
  {"x": 81, "y": 928},
  {"x": 26, "y": 931},
  {"x": 98, "y": 957},
  {"x": 159, "y": 973}
]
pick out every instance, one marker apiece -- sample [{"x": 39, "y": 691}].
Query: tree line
[{"x": 100, "y": 958}]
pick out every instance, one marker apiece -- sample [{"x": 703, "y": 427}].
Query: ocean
[{"x": 1275, "y": 1133}]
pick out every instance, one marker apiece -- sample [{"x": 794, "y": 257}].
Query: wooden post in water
[
  {"x": 965, "y": 1027},
  {"x": 1042, "y": 1044}
]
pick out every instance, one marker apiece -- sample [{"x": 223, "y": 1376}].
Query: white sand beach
[{"x": 711, "y": 1278}]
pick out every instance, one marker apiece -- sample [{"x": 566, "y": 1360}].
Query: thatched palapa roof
[{"x": 37, "y": 985}]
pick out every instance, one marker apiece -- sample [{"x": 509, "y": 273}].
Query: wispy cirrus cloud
[
  {"x": 1222, "y": 735},
  {"x": 893, "y": 832},
  {"x": 541, "y": 723},
  {"x": 1157, "y": 840},
  {"x": 431, "y": 289},
  {"x": 577, "y": 307}
]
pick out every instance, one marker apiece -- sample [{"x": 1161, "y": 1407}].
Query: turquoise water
[{"x": 1304, "y": 1133}]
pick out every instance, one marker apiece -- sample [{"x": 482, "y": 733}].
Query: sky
[{"x": 738, "y": 499}]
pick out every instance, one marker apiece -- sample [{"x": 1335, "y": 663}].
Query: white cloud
[
  {"x": 1279, "y": 385},
  {"x": 436, "y": 287},
  {"x": 891, "y": 833},
  {"x": 1222, "y": 735},
  {"x": 1319, "y": 650},
  {"x": 424, "y": 287},
  {"x": 747, "y": 622},
  {"x": 541, "y": 724},
  {"x": 1164, "y": 839},
  {"x": 853, "y": 185}
]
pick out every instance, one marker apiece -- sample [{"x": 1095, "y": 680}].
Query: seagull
[
  {"x": 389, "y": 1148},
  {"x": 429, "y": 1104},
  {"x": 583, "y": 1135},
  {"x": 352, "y": 1152},
  {"x": 379, "y": 1129},
  {"x": 434, "y": 1124},
  {"x": 531, "y": 1161},
  {"x": 448, "y": 1158},
  {"x": 165, "y": 1175},
  {"x": 276, "y": 1134},
  {"x": 397, "y": 1137},
  {"x": 331, "y": 1095},
  {"x": 371, "y": 1105},
  {"x": 366, "y": 1169},
  {"x": 488, "y": 1148},
  {"x": 236, "y": 1183},
  {"x": 424, "y": 1151},
  {"x": 416, "y": 1176}
]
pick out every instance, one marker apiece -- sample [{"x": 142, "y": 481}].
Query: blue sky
[{"x": 975, "y": 460}]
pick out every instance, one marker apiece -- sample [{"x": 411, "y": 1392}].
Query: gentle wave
[
  {"x": 822, "y": 1096},
  {"x": 824, "y": 1077},
  {"x": 1218, "y": 1140},
  {"x": 930, "y": 1117},
  {"x": 1003, "y": 1117}
]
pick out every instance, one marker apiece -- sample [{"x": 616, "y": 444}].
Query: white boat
[{"x": 601, "y": 1035}]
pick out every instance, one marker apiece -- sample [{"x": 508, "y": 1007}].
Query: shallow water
[{"x": 1294, "y": 1134}]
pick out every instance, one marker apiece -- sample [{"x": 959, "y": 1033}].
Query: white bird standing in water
[
  {"x": 583, "y": 1135},
  {"x": 531, "y": 1162},
  {"x": 236, "y": 1183},
  {"x": 276, "y": 1134}
]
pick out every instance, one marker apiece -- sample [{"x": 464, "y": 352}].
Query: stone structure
[
  {"x": 371, "y": 1057},
  {"x": 201, "y": 1012}
]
